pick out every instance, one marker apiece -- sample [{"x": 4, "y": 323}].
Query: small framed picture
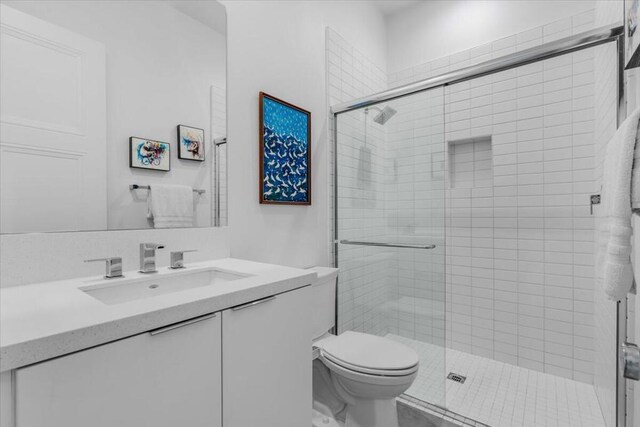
[
  {"x": 149, "y": 154},
  {"x": 190, "y": 143}
]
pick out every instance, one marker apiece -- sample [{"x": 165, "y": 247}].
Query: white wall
[
  {"x": 523, "y": 246},
  {"x": 364, "y": 271},
  {"x": 279, "y": 47},
  {"x": 434, "y": 29},
  {"x": 43, "y": 257},
  {"x": 541, "y": 321},
  {"x": 160, "y": 66},
  {"x": 510, "y": 244}
]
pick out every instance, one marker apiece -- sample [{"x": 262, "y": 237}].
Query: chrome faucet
[
  {"x": 177, "y": 258},
  {"x": 148, "y": 257},
  {"x": 113, "y": 266}
]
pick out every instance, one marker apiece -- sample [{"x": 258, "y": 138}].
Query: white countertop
[{"x": 46, "y": 320}]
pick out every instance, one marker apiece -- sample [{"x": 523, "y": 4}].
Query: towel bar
[{"x": 148, "y": 187}]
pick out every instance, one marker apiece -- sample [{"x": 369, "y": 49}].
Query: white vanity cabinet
[
  {"x": 169, "y": 377},
  {"x": 249, "y": 365},
  {"x": 266, "y": 353}
]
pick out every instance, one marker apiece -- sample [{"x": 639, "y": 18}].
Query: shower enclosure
[
  {"x": 390, "y": 223},
  {"x": 464, "y": 228}
]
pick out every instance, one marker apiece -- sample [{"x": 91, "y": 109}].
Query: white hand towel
[
  {"x": 614, "y": 260},
  {"x": 170, "y": 206}
]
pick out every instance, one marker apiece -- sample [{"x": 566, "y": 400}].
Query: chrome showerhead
[{"x": 383, "y": 115}]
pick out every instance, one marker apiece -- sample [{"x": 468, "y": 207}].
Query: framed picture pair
[{"x": 156, "y": 155}]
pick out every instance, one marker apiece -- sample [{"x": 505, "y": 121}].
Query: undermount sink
[{"x": 147, "y": 287}]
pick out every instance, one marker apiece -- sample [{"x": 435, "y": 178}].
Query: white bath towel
[
  {"x": 170, "y": 206},
  {"x": 614, "y": 260}
]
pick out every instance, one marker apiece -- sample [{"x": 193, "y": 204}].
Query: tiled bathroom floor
[{"x": 501, "y": 394}]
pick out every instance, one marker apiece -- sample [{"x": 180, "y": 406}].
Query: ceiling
[
  {"x": 389, "y": 7},
  {"x": 210, "y": 13}
]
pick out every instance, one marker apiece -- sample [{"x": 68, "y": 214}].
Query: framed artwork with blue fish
[
  {"x": 190, "y": 143},
  {"x": 285, "y": 153},
  {"x": 149, "y": 154}
]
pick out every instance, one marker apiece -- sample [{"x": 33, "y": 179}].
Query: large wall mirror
[{"x": 106, "y": 104}]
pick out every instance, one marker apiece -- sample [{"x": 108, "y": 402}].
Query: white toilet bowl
[
  {"x": 363, "y": 373},
  {"x": 368, "y": 373}
]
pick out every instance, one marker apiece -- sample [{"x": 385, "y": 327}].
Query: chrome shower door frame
[{"x": 585, "y": 40}]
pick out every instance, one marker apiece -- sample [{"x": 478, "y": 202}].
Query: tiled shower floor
[{"x": 501, "y": 394}]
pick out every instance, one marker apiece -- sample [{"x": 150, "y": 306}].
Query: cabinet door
[
  {"x": 6, "y": 400},
  {"x": 169, "y": 377},
  {"x": 266, "y": 355}
]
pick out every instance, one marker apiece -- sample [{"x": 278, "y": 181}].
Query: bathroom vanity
[{"x": 107, "y": 352}]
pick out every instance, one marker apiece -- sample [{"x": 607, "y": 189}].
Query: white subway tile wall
[
  {"x": 415, "y": 214},
  {"x": 391, "y": 189},
  {"x": 520, "y": 240},
  {"x": 515, "y": 43},
  {"x": 471, "y": 163},
  {"x": 364, "y": 276},
  {"x": 520, "y": 251}
]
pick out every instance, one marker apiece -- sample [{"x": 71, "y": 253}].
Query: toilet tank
[{"x": 323, "y": 310}]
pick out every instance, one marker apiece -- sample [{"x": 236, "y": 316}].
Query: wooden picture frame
[
  {"x": 284, "y": 142},
  {"x": 149, "y": 154}
]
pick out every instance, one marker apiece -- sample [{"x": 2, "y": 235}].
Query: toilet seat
[
  {"x": 371, "y": 379},
  {"x": 368, "y": 355},
  {"x": 368, "y": 371}
]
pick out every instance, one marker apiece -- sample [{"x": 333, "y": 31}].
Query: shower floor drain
[{"x": 456, "y": 377}]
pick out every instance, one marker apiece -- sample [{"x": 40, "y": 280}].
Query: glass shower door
[{"x": 390, "y": 229}]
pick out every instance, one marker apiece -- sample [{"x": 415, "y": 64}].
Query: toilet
[{"x": 357, "y": 376}]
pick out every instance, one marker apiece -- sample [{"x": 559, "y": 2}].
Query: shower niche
[{"x": 470, "y": 163}]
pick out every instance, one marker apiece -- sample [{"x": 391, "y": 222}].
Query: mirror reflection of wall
[{"x": 78, "y": 79}]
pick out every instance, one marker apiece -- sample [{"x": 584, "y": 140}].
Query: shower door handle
[{"x": 386, "y": 245}]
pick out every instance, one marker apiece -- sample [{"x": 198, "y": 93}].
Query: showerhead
[{"x": 383, "y": 115}]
